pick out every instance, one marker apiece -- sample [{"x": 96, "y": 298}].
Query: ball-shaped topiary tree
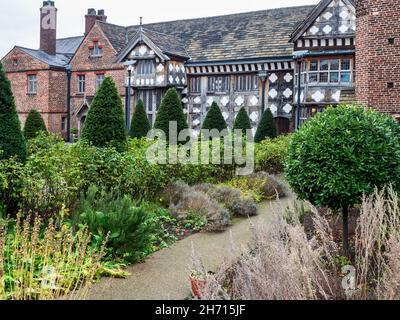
[
  {"x": 12, "y": 142},
  {"x": 266, "y": 128},
  {"x": 105, "y": 125},
  {"x": 214, "y": 119},
  {"x": 140, "y": 125},
  {"x": 33, "y": 125},
  {"x": 170, "y": 110},
  {"x": 242, "y": 121},
  {"x": 342, "y": 154}
]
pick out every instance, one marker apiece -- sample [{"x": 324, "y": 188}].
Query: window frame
[
  {"x": 246, "y": 83},
  {"x": 96, "y": 51},
  {"x": 223, "y": 87},
  {"x": 98, "y": 85},
  {"x": 146, "y": 67},
  {"x": 195, "y": 85},
  {"x": 310, "y": 76},
  {"x": 82, "y": 83},
  {"x": 32, "y": 84}
]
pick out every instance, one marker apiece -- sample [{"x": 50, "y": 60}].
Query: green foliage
[
  {"x": 266, "y": 128},
  {"x": 270, "y": 154},
  {"x": 214, "y": 119},
  {"x": 105, "y": 125},
  {"x": 140, "y": 123},
  {"x": 34, "y": 124},
  {"x": 170, "y": 110},
  {"x": 129, "y": 228},
  {"x": 343, "y": 153},
  {"x": 242, "y": 121},
  {"x": 12, "y": 141}
]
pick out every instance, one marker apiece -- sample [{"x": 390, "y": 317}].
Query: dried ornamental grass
[{"x": 49, "y": 264}]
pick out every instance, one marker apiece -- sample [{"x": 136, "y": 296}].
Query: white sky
[{"x": 19, "y": 19}]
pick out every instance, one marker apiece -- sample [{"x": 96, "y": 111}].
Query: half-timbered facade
[
  {"x": 324, "y": 54},
  {"x": 294, "y": 61}
]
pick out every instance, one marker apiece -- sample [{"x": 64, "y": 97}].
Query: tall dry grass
[
  {"x": 284, "y": 263},
  {"x": 46, "y": 263}
]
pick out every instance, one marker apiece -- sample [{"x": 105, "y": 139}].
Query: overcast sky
[{"x": 19, "y": 19}]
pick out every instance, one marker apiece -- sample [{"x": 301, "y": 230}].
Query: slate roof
[
  {"x": 68, "y": 46},
  {"x": 58, "y": 60},
  {"x": 251, "y": 35}
]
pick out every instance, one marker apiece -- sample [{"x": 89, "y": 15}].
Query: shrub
[
  {"x": 233, "y": 200},
  {"x": 183, "y": 201},
  {"x": 33, "y": 125},
  {"x": 104, "y": 125},
  {"x": 170, "y": 110},
  {"x": 242, "y": 121},
  {"x": 270, "y": 154},
  {"x": 12, "y": 142},
  {"x": 266, "y": 128},
  {"x": 46, "y": 262},
  {"x": 214, "y": 119},
  {"x": 341, "y": 154},
  {"x": 130, "y": 228},
  {"x": 140, "y": 123}
]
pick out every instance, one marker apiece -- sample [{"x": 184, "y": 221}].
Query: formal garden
[{"x": 71, "y": 214}]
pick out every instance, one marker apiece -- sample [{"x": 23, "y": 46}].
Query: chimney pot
[
  {"x": 92, "y": 11},
  {"x": 100, "y": 12}
]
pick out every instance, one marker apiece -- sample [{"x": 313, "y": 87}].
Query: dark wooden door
[{"x": 282, "y": 125}]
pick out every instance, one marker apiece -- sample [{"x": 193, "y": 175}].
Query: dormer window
[
  {"x": 96, "y": 49},
  {"x": 145, "y": 67}
]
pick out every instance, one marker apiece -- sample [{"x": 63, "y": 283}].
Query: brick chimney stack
[
  {"x": 91, "y": 18},
  {"x": 378, "y": 54},
  {"x": 48, "y": 27}
]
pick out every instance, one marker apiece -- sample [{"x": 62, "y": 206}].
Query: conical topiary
[
  {"x": 214, "y": 119},
  {"x": 266, "y": 127},
  {"x": 242, "y": 121},
  {"x": 12, "y": 142},
  {"x": 105, "y": 125},
  {"x": 33, "y": 125},
  {"x": 170, "y": 110},
  {"x": 140, "y": 125}
]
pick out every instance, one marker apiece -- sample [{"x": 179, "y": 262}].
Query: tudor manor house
[{"x": 295, "y": 61}]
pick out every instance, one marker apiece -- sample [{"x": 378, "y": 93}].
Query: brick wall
[
  {"x": 83, "y": 64},
  {"x": 378, "y": 60},
  {"x": 51, "y": 97}
]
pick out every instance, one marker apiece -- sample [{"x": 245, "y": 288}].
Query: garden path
[{"x": 164, "y": 275}]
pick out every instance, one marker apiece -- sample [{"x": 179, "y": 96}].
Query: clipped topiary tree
[
  {"x": 170, "y": 110},
  {"x": 214, "y": 119},
  {"x": 242, "y": 121},
  {"x": 105, "y": 125},
  {"x": 140, "y": 125},
  {"x": 266, "y": 128},
  {"x": 340, "y": 155},
  {"x": 12, "y": 142},
  {"x": 33, "y": 125}
]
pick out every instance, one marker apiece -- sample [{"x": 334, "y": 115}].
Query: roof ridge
[
  {"x": 72, "y": 37},
  {"x": 226, "y": 15}
]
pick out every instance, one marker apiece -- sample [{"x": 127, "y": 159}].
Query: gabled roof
[
  {"x": 309, "y": 20},
  {"x": 58, "y": 60},
  {"x": 164, "y": 45},
  {"x": 68, "y": 46},
  {"x": 251, "y": 35}
]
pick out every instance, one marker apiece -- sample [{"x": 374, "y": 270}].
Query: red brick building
[{"x": 288, "y": 60}]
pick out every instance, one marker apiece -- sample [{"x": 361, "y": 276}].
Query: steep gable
[{"x": 331, "y": 18}]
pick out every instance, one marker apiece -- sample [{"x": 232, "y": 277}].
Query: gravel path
[{"x": 164, "y": 275}]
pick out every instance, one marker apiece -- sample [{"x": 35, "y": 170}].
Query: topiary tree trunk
[
  {"x": 170, "y": 110},
  {"x": 242, "y": 121},
  {"x": 105, "y": 124},
  {"x": 266, "y": 128},
  {"x": 33, "y": 125},
  {"x": 140, "y": 125},
  {"x": 214, "y": 119},
  {"x": 345, "y": 220},
  {"x": 12, "y": 142}
]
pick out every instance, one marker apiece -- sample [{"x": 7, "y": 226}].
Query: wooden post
[{"x": 345, "y": 218}]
